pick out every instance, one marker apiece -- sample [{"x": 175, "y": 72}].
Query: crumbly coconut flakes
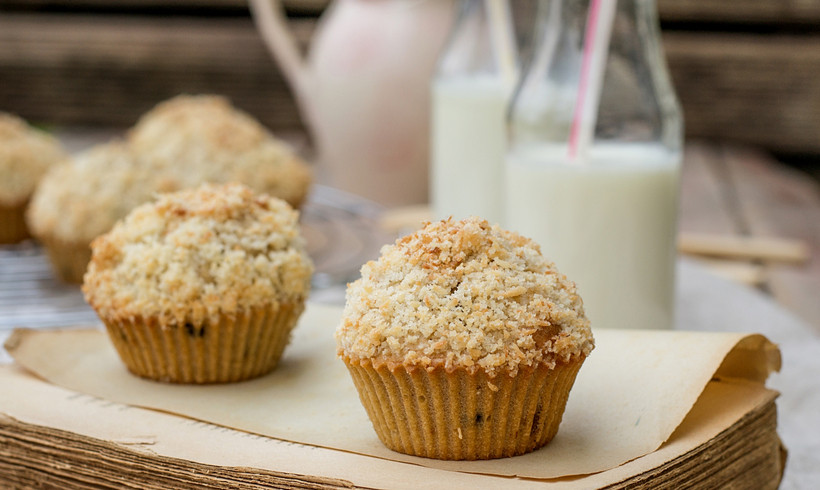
[
  {"x": 462, "y": 294},
  {"x": 198, "y": 253}
]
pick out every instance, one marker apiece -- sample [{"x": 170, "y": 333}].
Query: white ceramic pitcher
[{"x": 364, "y": 90}]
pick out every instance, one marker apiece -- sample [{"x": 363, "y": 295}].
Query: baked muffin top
[
  {"x": 199, "y": 253},
  {"x": 26, "y": 154},
  {"x": 463, "y": 295},
  {"x": 83, "y": 197},
  {"x": 209, "y": 120},
  {"x": 180, "y": 144},
  {"x": 206, "y": 139}
]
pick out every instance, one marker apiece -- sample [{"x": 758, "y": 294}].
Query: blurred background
[{"x": 744, "y": 70}]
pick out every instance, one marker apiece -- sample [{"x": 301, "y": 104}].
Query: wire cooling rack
[{"x": 342, "y": 232}]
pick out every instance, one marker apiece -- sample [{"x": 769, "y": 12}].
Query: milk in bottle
[
  {"x": 476, "y": 75},
  {"x": 606, "y": 213}
]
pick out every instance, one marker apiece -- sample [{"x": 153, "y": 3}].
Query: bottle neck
[
  {"x": 637, "y": 101},
  {"x": 481, "y": 42}
]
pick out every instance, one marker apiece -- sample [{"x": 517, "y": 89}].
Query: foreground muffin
[
  {"x": 201, "y": 286},
  {"x": 463, "y": 342},
  {"x": 25, "y": 155},
  {"x": 203, "y": 138},
  {"x": 83, "y": 198}
]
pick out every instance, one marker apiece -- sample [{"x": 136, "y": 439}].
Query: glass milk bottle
[
  {"x": 475, "y": 77},
  {"x": 604, "y": 211}
]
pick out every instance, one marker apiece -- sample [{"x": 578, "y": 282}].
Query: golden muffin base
[
  {"x": 227, "y": 349},
  {"x": 69, "y": 260},
  {"x": 463, "y": 416},
  {"x": 13, "y": 224}
]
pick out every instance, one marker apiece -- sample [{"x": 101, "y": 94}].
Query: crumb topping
[
  {"x": 215, "y": 142},
  {"x": 199, "y": 253},
  {"x": 180, "y": 144},
  {"x": 83, "y": 197},
  {"x": 26, "y": 154},
  {"x": 463, "y": 294}
]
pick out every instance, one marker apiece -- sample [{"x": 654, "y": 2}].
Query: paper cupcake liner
[
  {"x": 222, "y": 350},
  {"x": 13, "y": 224},
  {"x": 463, "y": 416},
  {"x": 69, "y": 259}
]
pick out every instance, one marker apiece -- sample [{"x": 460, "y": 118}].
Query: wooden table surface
[{"x": 742, "y": 192}]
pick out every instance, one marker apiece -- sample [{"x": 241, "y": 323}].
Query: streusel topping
[
  {"x": 463, "y": 294},
  {"x": 199, "y": 253},
  {"x": 180, "y": 144},
  {"x": 83, "y": 197},
  {"x": 206, "y": 139},
  {"x": 26, "y": 154}
]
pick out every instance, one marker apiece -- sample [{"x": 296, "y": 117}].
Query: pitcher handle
[{"x": 278, "y": 38}]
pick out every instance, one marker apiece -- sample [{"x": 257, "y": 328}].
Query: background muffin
[
  {"x": 83, "y": 198},
  {"x": 180, "y": 144},
  {"x": 201, "y": 286},
  {"x": 463, "y": 341},
  {"x": 205, "y": 139},
  {"x": 25, "y": 155}
]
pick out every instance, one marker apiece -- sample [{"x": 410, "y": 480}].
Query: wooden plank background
[
  {"x": 741, "y": 11},
  {"x": 108, "y": 69},
  {"x": 744, "y": 70},
  {"x": 761, "y": 90},
  {"x": 798, "y": 11}
]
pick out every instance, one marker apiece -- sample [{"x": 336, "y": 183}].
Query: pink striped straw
[{"x": 596, "y": 47}]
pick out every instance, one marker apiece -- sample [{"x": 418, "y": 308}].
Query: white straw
[
  {"x": 502, "y": 39},
  {"x": 596, "y": 49}
]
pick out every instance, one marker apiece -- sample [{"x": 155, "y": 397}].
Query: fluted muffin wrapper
[
  {"x": 218, "y": 350},
  {"x": 461, "y": 415},
  {"x": 13, "y": 223},
  {"x": 69, "y": 259}
]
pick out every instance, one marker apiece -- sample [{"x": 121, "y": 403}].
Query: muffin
[
  {"x": 463, "y": 342},
  {"x": 25, "y": 155},
  {"x": 205, "y": 139},
  {"x": 180, "y": 144},
  {"x": 83, "y": 198},
  {"x": 201, "y": 286}
]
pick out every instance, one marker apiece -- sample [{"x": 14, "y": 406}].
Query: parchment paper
[
  {"x": 631, "y": 394},
  {"x": 160, "y": 435}
]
